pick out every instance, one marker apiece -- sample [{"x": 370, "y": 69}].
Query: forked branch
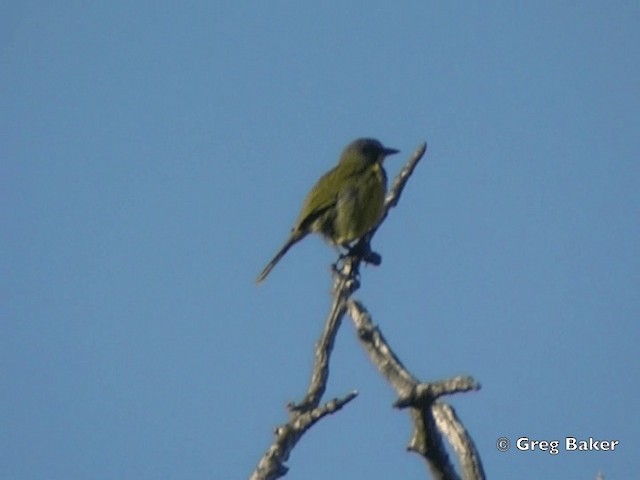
[{"x": 432, "y": 419}]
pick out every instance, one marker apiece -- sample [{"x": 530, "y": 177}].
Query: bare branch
[
  {"x": 307, "y": 412},
  {"x": 381, "y": 355},
  {"x": 272, "y": 463},
  {"x": 342, "y": 289},
  {"x": 431, "y": 418},
  {"x": 429, "y": 392},
  {"x": 393, "y": 196},
  {"x": 451, "y": 426}
]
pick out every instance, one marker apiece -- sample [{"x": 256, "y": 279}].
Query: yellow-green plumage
[{"x": 346, "y": 202}]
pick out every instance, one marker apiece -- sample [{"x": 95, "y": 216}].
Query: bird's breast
[{"x": 360, "y": 205}]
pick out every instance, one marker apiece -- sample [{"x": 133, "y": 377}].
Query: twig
[
  {"x": 394, "y": 193},
  {"x": 272, "y": 463},
  {"x": 307, "y": 412},
  {"x": 431, "y": 419}
]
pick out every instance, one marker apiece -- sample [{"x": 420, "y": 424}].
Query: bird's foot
[
  {"x": 372, "y": 258},
  {"x": 363, "y": 250}
]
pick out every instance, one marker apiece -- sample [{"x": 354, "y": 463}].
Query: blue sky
[{"x": 155, "y": 154}]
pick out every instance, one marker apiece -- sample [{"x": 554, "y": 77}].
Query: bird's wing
[
  {"x": 326, "y": 193},
  {"x": 321, "y": 199}
]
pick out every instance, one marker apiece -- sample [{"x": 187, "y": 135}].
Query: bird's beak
[{"x": 389, "y": 151}]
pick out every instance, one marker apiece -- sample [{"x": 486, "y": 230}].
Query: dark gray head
[{"x": 367, "y": 148}]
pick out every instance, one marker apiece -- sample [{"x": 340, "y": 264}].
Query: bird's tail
[{"x": 277, "y": 258}]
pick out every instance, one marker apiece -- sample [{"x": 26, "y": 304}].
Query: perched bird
[{"x": 346, "y": 202}]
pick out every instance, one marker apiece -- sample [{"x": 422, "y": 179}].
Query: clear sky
[{"x": 154, "y": 156}]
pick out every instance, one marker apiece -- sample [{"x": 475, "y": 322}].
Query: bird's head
[{"x": 366, "y": 149}]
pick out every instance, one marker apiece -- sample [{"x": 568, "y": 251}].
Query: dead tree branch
[
  {"x": 307, "y": 412},
  {"x": 431, "y": 418}
]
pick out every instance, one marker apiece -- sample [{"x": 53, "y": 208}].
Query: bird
[{"x": 346, "y": 202}]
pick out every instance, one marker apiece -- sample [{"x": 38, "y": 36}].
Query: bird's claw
[
  {"x": 363, "y": 250},
  {"x": 373, "y": 258}
]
